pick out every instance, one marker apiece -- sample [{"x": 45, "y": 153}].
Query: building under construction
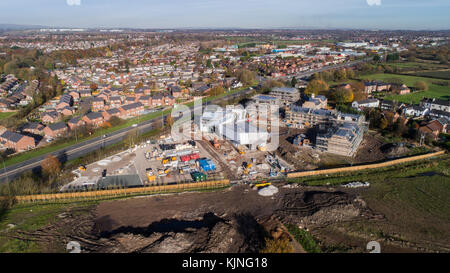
[{"x": 341, "y": 139}]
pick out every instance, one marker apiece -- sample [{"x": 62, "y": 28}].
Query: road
[{"x": 85, "y": 147}]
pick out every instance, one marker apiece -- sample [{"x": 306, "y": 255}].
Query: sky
[{"x": 323, "y": 14}]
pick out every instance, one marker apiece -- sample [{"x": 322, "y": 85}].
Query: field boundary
[
  {"x": 93, "y": 195},
  {"x": 364, "y": 167}
]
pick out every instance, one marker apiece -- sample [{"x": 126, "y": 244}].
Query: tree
[
  {"x": 343, "y": 95},
  {"x": 293, "y": 81},
  {"x": 340, "y": 74},
  {"x": 246, "y": 77},
  {"x": 315, "y": 87},
  {"x": 421, "y": 85},
  {"x": 93, "y": 86},
  {"x": 51, "y": 166},
  {"x": 383, "y": 123},
  {"x": 216, "y": 90},
  {"x": 169, "y": 121}
]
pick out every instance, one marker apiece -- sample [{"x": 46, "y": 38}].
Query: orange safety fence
[
  {"x": 122, "y": 192},
  {"x": 364, "y": 167}
]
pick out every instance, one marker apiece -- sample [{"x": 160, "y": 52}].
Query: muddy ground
[{"x": 234, "y": 220}]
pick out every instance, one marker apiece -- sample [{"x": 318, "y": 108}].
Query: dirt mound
[{"x": 229, "y": 221}]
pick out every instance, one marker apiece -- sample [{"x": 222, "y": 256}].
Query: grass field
[
  {"x": 4, "y": 115},
  {"x": 443, "y": 74},
  {"x": 434, "y": 91},
  {"x": 29, "y": 218}
]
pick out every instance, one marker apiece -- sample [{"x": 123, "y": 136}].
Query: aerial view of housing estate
[{"x": 185, "y": 132}]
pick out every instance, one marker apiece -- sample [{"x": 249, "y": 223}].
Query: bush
[
  {"x": 304, "y": 238},
  {"x": 421, "y": 85},
  {"x": 277, "y": 246}
]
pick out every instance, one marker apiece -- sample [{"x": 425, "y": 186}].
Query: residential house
[
  {"x": 55, "y": 130},
  {"x": 416, "y": 111},
  {"x": 94, "y": 119},
  {"x": 434, "y": 128},
  {"x": 169, "y": 100},
  {"x": 157, "y": 100},
  {"x": 16, "y": 141},
  {"x": 67, "y": 111},
  {"x": 368, "y": 103},
  {"x": 110, "y": 113},
  {"x": 175, "y": 91},
  {"x": 98, "y": 104},
  {"x": 33, "y": 128},
  {"x": 132, "y": 110},
  {"x": 146, "y": 100},
  {"x": 75, "y": 122},
  {"x": 50, "y": 117},
  {"x": 115, "y": 101}
]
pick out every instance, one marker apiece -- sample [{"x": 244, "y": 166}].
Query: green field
[
  {"x": 444, "y": 74},
  {"x": 434, "y": 91},
  {"x": 4, "y": 115}
]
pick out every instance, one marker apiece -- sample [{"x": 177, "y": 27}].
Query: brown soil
[{"x": 235, "y": 220}]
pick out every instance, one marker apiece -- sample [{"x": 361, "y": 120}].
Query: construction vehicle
[
  {"x": 247, "y": 168},
  {"x": 83, "y": 168},
  {"x": 263, "y": 184},
  {"x": 216, "y": 143},
  {"x": 165, "y": 161},
  {"x": 150, "y": 175}
]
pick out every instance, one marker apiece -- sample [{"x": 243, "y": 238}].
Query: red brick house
[
  {"x": 33, "y": 128},
  {"x": 169, "y": 100},
  {"x": 115, "y": 101},
  {"x": 67, "y": 111},
  {"x": 132, "y": 110},
  {"x": 75, "y": 95},
  {"x": 17, "y": 142},
  {"x": 51, "y": 117},
  {"x": 98, "y": 104},
  {"x": 110, "y": 113},
  {"x": 175, "y": 91},
  {"x": 55, "y": 130},
  {"x": 75, "y": 122},
  {"x": 157, "y": 100},
  {"x": 433, "y": 128},
  {"x": 94, "y": 119},
  {"x": 146, "y": 100}
]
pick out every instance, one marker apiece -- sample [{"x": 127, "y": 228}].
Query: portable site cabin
[
  {"x": 198, "y": 176},
  {"x": 206, "y": 164}
]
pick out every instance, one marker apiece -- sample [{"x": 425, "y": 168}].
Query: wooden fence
[
  {"x": 98, "y": 194},
  {"x": 364, "y": 167}
]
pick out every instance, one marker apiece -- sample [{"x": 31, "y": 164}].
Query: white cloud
[
  {"x": 374, "y": 2},
  {"x": 73, "y": 2}
]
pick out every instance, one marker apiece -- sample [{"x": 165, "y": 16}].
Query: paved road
[{"x": 85, "y": 147}]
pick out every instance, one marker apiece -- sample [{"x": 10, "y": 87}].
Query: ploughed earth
[{"x": 234, "y": 220}]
